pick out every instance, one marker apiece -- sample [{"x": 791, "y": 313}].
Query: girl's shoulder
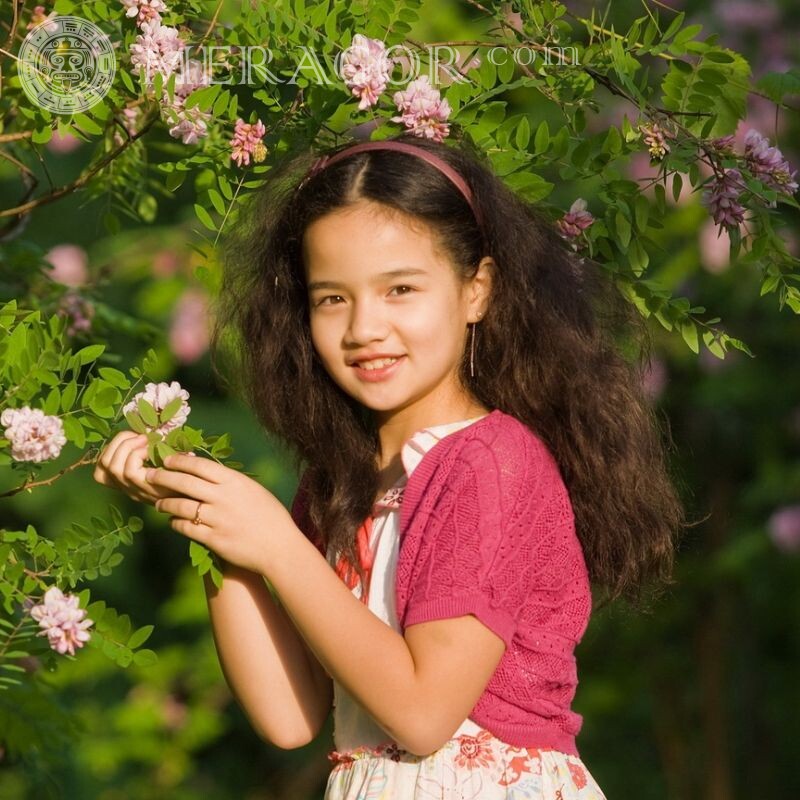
[{"x": 497, "y": 450}]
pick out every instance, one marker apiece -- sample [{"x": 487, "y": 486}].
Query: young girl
[{"x": 465, "y": 395}]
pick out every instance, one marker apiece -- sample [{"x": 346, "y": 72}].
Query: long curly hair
[{"x": 562, "y": 351}]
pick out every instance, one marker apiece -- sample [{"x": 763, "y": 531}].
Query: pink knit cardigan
[{"x": 487, "y": 528}]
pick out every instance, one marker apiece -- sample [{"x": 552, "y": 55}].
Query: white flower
[
  {"x": 34, "y": 435},
  {"x": 62, "y": 621},
  {"x": 159, "y": 395}
]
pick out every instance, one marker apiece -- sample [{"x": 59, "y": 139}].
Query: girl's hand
[
  {"x": 240, "y": 520},
  {"x": 121, "y": 466}
]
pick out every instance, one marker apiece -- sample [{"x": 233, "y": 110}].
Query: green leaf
[
  {"x": 135, "y": 422},
  {"x": 51, "y": 404},
  {"x": 677, "y": 186},
  {"x": 623, "y": 228},
  {"x": 89, "y": 353},
  {"x": 42, "y": 135},
  {"x": 114, "y": 377},
  {"x": 147, "y": 413},
  {"x": 175, "y": 180},
  {"x": 523, "y": 134},
  {"x": 542, "y": 138},
  {"x": 87, "y": 124},
  {"x": 144, "y": 658},
  {"x": 216, "y": 200},
  {"x": 673, "y": 27},
  {"x": 689, "y": 334},
  {"x": 204, "y": 217},
  {"x": 140, "y": 636},
  {"x": 74, "y": 431},
  {"x": 170, "y": 409}
]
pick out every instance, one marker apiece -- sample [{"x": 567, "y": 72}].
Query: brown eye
[{"x": 410, "y": 288}]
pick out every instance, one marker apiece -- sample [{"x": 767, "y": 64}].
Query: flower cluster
[
  {"x": 158, "y": 49},
  {"x": 784, "y": 528},
  {"x": 34, "y": 435},
  {"x": 144, "y": 10},
  {"x": 366, "y": 70},
  {"x": 768, "y": 164},
  {"x": 62, "y": 620},
  {"x": 423, "y": 111},
  {"x": 723, "y": 199},
  {"x": 765, "y": 162},
  {"x": 159, "y": 395},
  {"x": 38, "y": 16},
  {"x": 575, "y": 222},
  {"x": 246, "y": 141},
  {"x": 78, "y": 310},
  {"x": 655, "y": 137}
]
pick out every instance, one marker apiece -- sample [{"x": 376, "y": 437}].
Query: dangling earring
[{"x": 472, "y": 350}]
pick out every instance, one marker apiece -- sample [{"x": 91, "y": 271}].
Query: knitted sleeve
[
  {"x": 300, "y": 515},
  {"x": 480, "y": 534}
]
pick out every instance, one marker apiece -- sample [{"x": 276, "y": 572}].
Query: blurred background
[{"x": 698, "y": 699}]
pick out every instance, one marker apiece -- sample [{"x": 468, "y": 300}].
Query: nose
[{"x": 367, "y": 323}]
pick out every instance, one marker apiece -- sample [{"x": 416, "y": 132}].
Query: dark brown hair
[{"x": 559, "y": 348}]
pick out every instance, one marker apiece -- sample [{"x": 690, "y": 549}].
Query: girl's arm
[
  {"x": 418, "y": 688},
  {"x": 278, "y": 683}
]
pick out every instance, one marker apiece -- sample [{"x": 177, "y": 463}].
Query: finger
[
  {"x": 204, "y": 468},
  {"x": 106, "y": 458},
  {"x": 200, "y": 533},
  {"x": 135, "y": 473},
  {"x": 184, "y": 507},
  {"x": 120, "y": 456},
  {"x": 111, "y": 447},
  {"x": 172, "y": 483}
]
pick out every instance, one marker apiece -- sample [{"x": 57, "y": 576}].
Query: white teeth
[{"x": 377, "y": 364}]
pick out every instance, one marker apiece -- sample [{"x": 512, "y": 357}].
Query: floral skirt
[{"x": 478, "y": 767}]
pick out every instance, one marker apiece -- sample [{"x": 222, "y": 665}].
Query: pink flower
[
  {"x": 193, "y": 75},
  {"x": 187, "y": 124},
  {"x": 130, "y": 121},
  {"x": 655, "y": 137},
  {"x": 188, "y": 334},
  {"x": 78, "y": 310},
  {"x": 366, "y": 69},
  {"x": 246, "y": 141},
  {"x": 70, "y": 264},
  {"x": 63, "y": 144},
  {"x": 62, "y": 621},
  {"x": 144, "y": 10},
  {"x": 423, "y": 110},
  {"x": 34, "y": 436},
  {"x": 784, "y": 528},
  {"x": 723, "y": 199},
  {"x": 159, "y": 395},
  {"x": 768, "y": 164},
  {"x": 158, "y": 49},
  {"x": 576, "y": 220},
  {"x": 38, "y": 17}
]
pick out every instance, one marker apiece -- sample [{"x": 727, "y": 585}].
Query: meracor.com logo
[{"x": 66, "y": 64}]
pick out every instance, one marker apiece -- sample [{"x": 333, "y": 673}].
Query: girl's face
[{"x": 377, "y": 287}]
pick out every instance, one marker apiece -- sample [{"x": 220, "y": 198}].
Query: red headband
[{"x": 405, "y": 147}]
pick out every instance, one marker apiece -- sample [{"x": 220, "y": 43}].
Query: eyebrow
[{"x": 394, "y": 273}]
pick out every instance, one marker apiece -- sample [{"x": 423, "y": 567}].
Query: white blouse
[{"x": 353, "y": 726}]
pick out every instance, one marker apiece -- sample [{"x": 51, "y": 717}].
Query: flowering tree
[{"x": 223, "y": 109}]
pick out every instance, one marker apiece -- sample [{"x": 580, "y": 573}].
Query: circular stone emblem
[{"x": 66, "y": 64}]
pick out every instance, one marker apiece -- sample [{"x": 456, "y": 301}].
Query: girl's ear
[{"x": 481, "y": 286}]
